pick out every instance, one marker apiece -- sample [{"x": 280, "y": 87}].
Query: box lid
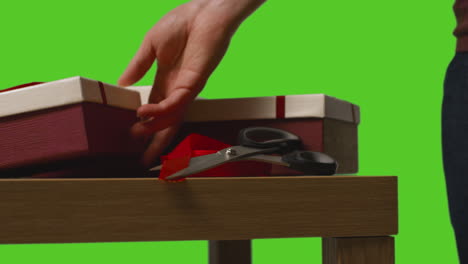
[
  {"x": 79, "y": 89},
  {"x": 65, "y": 92},
  {"x": 271, "y": 107}
]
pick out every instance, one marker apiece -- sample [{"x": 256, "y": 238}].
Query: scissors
[{"x": 254, "y": 144}]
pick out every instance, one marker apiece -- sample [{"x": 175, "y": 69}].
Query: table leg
[
  {"x": 358, "y": 250},
  {"x": 230, "y": 251}
]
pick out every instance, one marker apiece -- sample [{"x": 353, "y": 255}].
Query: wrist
[{"x": 232, "y": 11}]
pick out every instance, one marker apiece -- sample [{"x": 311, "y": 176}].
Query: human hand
[{"x": 188, "y": 43}]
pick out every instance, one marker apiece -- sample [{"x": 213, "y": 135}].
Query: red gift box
[{"x": 76, "y": 121}]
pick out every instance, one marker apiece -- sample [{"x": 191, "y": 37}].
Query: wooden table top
[{"x": 145, "y": 209}]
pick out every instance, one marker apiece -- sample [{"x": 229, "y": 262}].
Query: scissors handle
[
  {"x": 311, "y": 163},
  {"x": 267, "y": 137}
]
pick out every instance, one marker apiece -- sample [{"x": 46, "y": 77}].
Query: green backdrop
[{"x": 388, "y": 57}]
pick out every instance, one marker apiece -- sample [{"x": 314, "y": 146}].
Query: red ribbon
[
  {"x": 196, "y": 145},
  {"x": 280, "y": 107},
  {"x": 103, "y": 93}
]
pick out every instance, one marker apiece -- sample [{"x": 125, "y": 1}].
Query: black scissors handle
[
  {"x": 311, "y": 163},
  {"x": 267, "y": 137}
]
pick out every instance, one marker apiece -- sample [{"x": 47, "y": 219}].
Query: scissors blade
[
  {"x": 198, "y": 164},
  {"x": 269, "y": 159},
  {"x": 156, "y": 168},
  {"x": 261, "y": 157},
  {"x": 201, "y": 163}
]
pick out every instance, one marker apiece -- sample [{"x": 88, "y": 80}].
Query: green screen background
[{"x": 388, "y": 57}]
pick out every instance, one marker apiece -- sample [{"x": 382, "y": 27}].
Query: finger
[
  {"x": 153, "y": 125},
  {"x": 188, "y": 83},
  {"x": 174, "y": 103},
  {"x": 140, "y": 64},
  {"x": 159, "y": 85},
  {"x": 170, "y": 47},
  {"x": 159, "y": 143}
]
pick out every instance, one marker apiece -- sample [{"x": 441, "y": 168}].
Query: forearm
[{"x": 231, "y": 11}]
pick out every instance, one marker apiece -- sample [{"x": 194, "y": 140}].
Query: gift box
[
  {"x": 75, "y": 124},
  {"x": 324, "y": 123}
]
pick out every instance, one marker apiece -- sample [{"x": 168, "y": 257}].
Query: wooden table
[{"x": 355, "y": 216}]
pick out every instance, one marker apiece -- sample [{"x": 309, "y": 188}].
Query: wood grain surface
[
  {"x": 99, "y": 210},
  {"x": 230, "y": 252},
  {"x": 359, "y": 250}
]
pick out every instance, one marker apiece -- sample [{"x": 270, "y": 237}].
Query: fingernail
[{"x": 146, "y": 119}]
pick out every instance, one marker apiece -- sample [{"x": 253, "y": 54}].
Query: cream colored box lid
[
  {"x": 65, "y": 92},
  {"x": 295, "y": 106}
]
